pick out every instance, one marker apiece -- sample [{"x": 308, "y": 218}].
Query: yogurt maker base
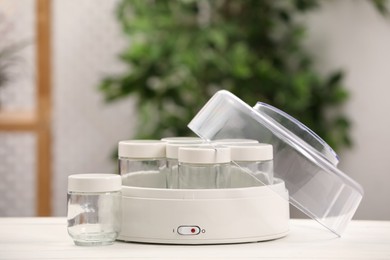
[{"x": 208, "y": 216}]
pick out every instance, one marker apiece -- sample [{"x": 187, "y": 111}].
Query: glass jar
[
  {"x": 252, "y": 164},
  {"x": 94, "y": 208},
  {"x": 142, "y": 163},
  {"x": 204, "y": 167},
  {"x": 172, "y": 150}
]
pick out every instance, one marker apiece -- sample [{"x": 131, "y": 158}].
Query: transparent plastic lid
[
  {"x": 299, "y": 131},
  {"x": 301, "y": 158}
]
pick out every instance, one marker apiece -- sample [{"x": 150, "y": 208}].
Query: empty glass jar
[
  {"x": 94, "y": 208},
  {"x": 252, "y": 164},
  {"x": 142, "y": 163},
  {"x": 204, "y": 167},
  {"x": 172, "y": 151}
]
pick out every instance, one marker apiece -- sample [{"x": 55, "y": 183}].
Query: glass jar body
[
  {"x": 94, "y": 218},
  {"x": 137, "y": 172},
  {"x": 252, "y": 173},
  {"x": 204, "y": 176},
  {"x": 172, "y": 173}
]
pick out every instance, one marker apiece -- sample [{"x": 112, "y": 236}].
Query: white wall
[
  {"x": 352, "y": 35},
  {"x": 86, "y": 42},
  {"x": 17, "y": 159}
]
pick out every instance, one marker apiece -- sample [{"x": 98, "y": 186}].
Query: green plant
[
  {"x": 182, "y": 51},
  {"x": 8, "y": 59}
]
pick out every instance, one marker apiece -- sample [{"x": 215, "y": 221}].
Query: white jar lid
[
  {"x": 172, "y": 149},
  {"x": 251, "y": 152},
  {"x": 204, "y": 155},
  {"x": 94, "y": 182},
  {"x": 186, "y": 140},
  {"x": 235, "y": 141},
  {"x": 141, "y": 149}
]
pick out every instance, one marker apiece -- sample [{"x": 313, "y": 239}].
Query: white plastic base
[{"x": 214, "y": 216}]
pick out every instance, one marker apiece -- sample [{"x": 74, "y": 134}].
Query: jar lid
[
  {"x": 235, "y": 141},
  {"x": 251, "y": 152},
  {"x": 172, "y": 149},
  {"x": 94, "y": 182},
  {"x": 204, "y": 155},
  {"x": 141, "y": 149},
  {"x": 181, "y": 140}
]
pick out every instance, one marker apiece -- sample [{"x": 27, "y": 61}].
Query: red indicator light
[{"x": 193, "y": 230}]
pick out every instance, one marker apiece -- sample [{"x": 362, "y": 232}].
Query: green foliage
[
  {"x": 183, "y": 51},
  {"x": 8, "y": 59}
]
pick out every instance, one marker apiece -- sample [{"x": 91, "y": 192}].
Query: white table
[{"x": 47, "y": 238}]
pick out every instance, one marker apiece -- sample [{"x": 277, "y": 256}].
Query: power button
[{"x": 188, "y": 230}]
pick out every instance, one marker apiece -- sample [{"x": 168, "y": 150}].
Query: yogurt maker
[{"x": 305, "y": 174}]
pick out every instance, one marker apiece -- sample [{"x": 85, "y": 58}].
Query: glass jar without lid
[
  {"x": 141, "y": 160},
  {"x": 204, "y": 167},
  {"x": 94, "y": 208},
  {"x": 256, "y": 160}
]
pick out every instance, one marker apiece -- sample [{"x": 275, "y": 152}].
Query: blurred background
[{"x": 78, "y": 76}]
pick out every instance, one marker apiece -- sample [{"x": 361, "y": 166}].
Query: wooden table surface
[{"x": 47, "y": 238}]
